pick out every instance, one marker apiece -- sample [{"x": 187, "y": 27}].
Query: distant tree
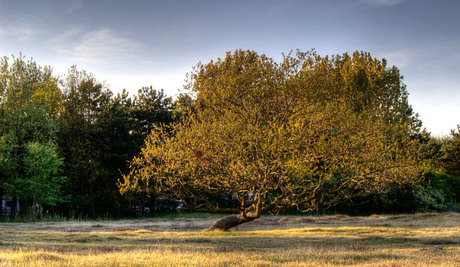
[
  {"x": 150, "y": 110},
  {"x": 29, "y": 104},
  {"x": 309, "y": 132},
  {"x": 100, "y": 133},
  {"x": 126, "y": 123},
  {"x": 81, "y": 138},
  {"x": 451, "y": 149},
  {"x": 447, "y": 178},
  {"x": 43, "y": 171}
]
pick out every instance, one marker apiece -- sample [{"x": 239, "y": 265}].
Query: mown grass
[{"x": 414, "y": 240}]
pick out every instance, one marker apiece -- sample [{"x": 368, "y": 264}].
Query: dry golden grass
[{"x": 410, "y": 240}]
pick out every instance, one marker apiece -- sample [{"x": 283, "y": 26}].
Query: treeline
[{"x": 66, "y": 141}]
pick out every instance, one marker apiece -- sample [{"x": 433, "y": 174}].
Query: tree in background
[
  {"x": 43, "y": 171},
  {"x": 82, "y": 140},
  {"x": 448, "y": 178},
  {"x": 151, "y": 109},
  {"x": 99, "y": 134},
  {"x": 126, "y": 125},
  {"x": 30, "y": 168},
  {"x": 451, "y": 149},
  {"x": 310, "y": 132}
]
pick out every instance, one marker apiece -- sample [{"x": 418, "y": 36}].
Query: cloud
[
  {"x": 99, "y": 47},
  {"x": 383, "y": 2},
  {"x": 23, "y": 31}
]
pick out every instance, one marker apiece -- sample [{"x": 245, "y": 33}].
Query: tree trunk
[
  {"x": 94, "y": 209},
  {"x": 14, "y": 204},
  {"x": 228, "y": 222}
]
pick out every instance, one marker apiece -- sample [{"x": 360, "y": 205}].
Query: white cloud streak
[
  {"x": 99, "y": 47},
  {"x": 22, "y": 31}
]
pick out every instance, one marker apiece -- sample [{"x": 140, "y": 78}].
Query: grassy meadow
[{"x": 379, "y": 240}]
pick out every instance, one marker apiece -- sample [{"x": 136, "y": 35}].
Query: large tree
[
  {"x": 81, "y": 139},
  {"x": 29, "y": 103},
  {"x": 309, "y": 132}
]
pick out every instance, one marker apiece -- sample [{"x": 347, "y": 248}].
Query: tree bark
[
  {"x": 228, "y": 222},
  {"x": 231, "y": 221}
]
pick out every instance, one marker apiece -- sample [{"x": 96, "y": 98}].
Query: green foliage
[
  {"x": 43, "y": 178},
  {"x": 428, "y": 199},
  {"x": 30, "y": 101},
  {"x": 449, "y": 185},
  {"x": 405, "y": 199}
]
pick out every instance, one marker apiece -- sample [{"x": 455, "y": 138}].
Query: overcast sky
[{"x": 130, "y": 44}]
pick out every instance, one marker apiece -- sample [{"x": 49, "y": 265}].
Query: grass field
[{"x": 402, "y": 240}]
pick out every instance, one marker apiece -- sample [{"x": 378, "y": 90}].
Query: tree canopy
[
  {"x": 451, "y": 158},
  {"x": 308, "y": 132},
  {"x": 30, "y": 100},
  {"x": 249, "y": 135}
]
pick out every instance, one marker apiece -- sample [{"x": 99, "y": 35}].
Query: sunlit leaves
[
  {"x": 312, "y": 131},
  {"x": 30, "y": 103}
]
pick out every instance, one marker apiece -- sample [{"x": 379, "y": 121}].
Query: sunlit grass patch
[{"x": 355, "y": 243}]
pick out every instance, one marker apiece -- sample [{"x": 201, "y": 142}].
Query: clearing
[{"x": 428, "y": 239}]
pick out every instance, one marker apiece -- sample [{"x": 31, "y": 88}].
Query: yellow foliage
[{"x": 307, "y": 132}]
